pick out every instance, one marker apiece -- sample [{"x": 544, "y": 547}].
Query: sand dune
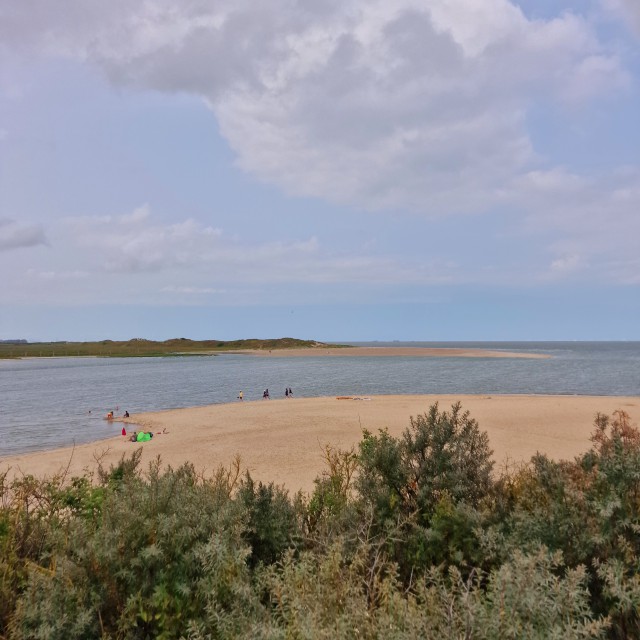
[{"x": 281, "y": 440}]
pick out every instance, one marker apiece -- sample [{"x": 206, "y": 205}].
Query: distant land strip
[
  {"x": 140, "y": 347},
  {"x": 276, "y": 347}
]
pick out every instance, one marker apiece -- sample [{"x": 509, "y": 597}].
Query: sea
[{"x": 48, "y": 403}]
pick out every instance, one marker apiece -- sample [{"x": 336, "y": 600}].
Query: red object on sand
[{"x": 124, "y": 431}]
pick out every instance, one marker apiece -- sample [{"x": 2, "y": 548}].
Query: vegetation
[
  {"x": 148, "y": 348},
  {"x": 411, "y": 537}
]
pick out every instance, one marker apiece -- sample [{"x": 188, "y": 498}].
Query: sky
[{"x": 320, "y": 169}]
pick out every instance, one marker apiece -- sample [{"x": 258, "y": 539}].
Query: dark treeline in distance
[
  {"x": 402, "y": 538},
  {"x": 147, "y": 348}
]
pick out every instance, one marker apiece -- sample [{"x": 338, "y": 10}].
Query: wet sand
[
  {"x": 417, "y": 352},
  {"x": 281, "y": 440}
]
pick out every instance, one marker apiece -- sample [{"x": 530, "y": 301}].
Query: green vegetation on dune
[
  {"x": 149, "y": 348},
  {"x": 403, "y": 538}
]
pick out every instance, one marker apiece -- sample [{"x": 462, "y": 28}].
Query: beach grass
[{"x": 140, "y": 347}]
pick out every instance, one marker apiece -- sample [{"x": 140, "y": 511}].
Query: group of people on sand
[{"x": 288, "y": 393}]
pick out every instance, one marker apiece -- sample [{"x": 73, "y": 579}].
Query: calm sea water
[{"x": 46, "y": 403}]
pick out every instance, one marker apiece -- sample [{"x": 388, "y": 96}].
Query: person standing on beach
[
  {"x": 240, "y": 396},
  {"x": 286, "y": 392}
]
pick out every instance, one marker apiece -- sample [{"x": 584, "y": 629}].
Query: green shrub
[
  {"x": 420, "y": 483},
  {"x": 440, "y": 454},
  {"x": 137, "y": 570},
  {"x": 271, "y": 526}
]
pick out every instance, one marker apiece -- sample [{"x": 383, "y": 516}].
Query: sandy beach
[
  {"x": 417, "y": 352},
  {"x": 281, "y": 440}
]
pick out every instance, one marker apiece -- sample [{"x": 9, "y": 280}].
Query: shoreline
[
  {"x": 381, "y": 352},
  {"x": 282, "y": 440}
]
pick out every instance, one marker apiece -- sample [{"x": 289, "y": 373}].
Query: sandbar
[
  {"x": 416, "y": 352},
  {"x": 282, "y": 440}
]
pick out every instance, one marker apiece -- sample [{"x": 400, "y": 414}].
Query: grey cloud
[{"x": 16, "y": 235}]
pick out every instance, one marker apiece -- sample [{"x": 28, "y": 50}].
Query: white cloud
[
  {"x": 594, "y": 222},
  {"x": 137, "y": 215},
  {"x": 145, "y": 248},
  {"x": 197, "y": 291},
  {"x": 566, "y": 263},
  {"x": 57, "y": 275},
  {"x": 130, "y": 243},
  {"x": 410, "y": 107},
  {"x": 627, "y": 9},
  {"x": 374, "y": 104},
  {"x": 595, "y": 75},
  {"x": 16, "y": 235}
]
